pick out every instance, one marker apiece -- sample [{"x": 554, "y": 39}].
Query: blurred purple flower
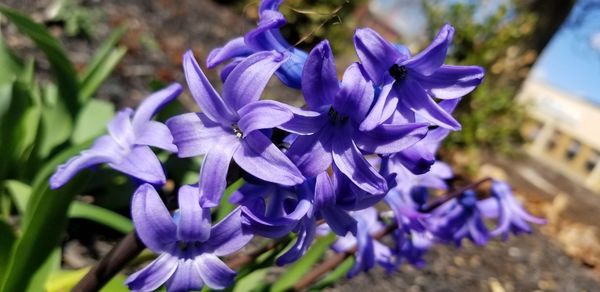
[
  {"x": 188, "y": 246},
  {"x": 265, "y": 37},
  {"x": 511, "y": 215},
  {"x": 417, "y": 80},
  {"x": 125, "y": 148},
  {"x": 228, "y": 127}
]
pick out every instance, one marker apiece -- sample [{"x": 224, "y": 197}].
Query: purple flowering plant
[{"x": 358, "y": 160}]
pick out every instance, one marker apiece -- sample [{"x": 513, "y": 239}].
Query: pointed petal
[
  {"x": 356, "y": 94},
  {"x": 154, "y": 275},
  {"x": 204, "y": 93},
  {"x": 388, "y": 139},
  {"x": 194, "y": 221},
  {"x": 227, "y": 236},
  {"x": 351, "y": 163},
  {"x": 306, "y": 235},
  {"x": 104, "y": 150},
  {"x": 304, "y": 122},
  {"x": 195, "y": 134},
  {"x": 143, "y": 164},
  {"x": 214, "y": 272},
  {"x": 155, "y": 134},
  {"x": 365, "y": 253},
  {"x": 312, "y": 154},
  {"x": 259, "y": 157},
  {"x": 226, "y": 70},
  {"x": 382, "y": 109},
  {"x": 266, "y": 36},
  {"x": 319, "y": 77},
  {"x": 415, "y": 98},
  {"x": 120, "y": 128},
  {"x": 450, "y": 82},
  {"x": 153, "y": 223},
  {"x": 150, "y": 106},
  {"x": 186, "y": 277},
  {"x": 275, "y": 227},
  {"x": 263, "y": 114},
  {"x": 269, "y": 5},
  {"x": 375, "y": 53},
  {"x": 213, "y": 173},
  {"x": 247, "y": 81},
  {"x": 430, "y": 59},
  {"x": 339, "y": 220},
  {"x": 234, "y": 48}
]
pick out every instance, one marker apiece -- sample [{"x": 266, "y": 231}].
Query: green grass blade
[
  {"x": 103, "y": 216},
  {"x": 90, "y": 84}
]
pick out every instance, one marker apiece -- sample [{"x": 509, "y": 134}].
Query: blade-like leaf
[
  {"x": 11, "y": 65},
  {"x": 225, "y": 207},
  {"x": 56, "y": 125},
  {"x": 39, "y": 279},
  {"x": 92, "y": 120},
  {"x": 101, "y": 215},
  {"x": 64, "y": 71},
  {"x": 7, "y": 238},
  {"x": 101, "y": 55},
  {"x": 335, "y": 275},
  {"x": 254, "y": 281},
  {"x": 304, "y": 264},
  {"x": 100, "y": 73}
]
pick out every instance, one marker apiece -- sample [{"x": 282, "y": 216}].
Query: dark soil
[{"x": 160, "y": 31}]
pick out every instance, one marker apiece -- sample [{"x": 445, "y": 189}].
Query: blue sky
[{"x": 571, "y": 61}]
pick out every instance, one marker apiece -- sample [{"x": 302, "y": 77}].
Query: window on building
[
  {"x": 572, "y": 149},
  {"x": 553, "y": 140},
  {"x": 592, "y": 161}
]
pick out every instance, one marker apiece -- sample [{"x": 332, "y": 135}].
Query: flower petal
[
  {"x": 382, "y": 109},
  {"x": 195, "y": 134},
  {"x": 186, "y": 277},
  {"x": 214, "y": 272},
  {"x": 304, "y": 122},
  {"x": 154, "y": 275},
  {"x": 120, "y": 128},
  {"x": 351, "y": 163},
  {"x": 312, "y": 154},
  {"x": 143, "y": 164},
  {"x": 319, "y": 77},
  {"x": 155, "y": 134},
  {"x": 375, "y": 53},
  {"x": 259, "y": 157},
  {"x": 430, "y": 59},
  {"x": 306, "y": 235},
  {"x": 450, "y": 82},
  {"x": 269, "y": 5},
  {"x": 153, "y": 103},
  {"x": 227, "y": 236},
  {"x": 104, "y": 150},
  {"x": 153, "y": 223},
  {"x": 388, "y": 139},
  {"x": 194, "y": 221},
  {"x": 235, "y": 48},
  {"x": 226, "y": 70},
  {"x": 263, "y": 114},
  {"x": 204, "y": 94},
  {"x": 415, "y": 98},
  {"x": 356, "y": 94},
  {"x": 213, "y": 173},
  {"x": 247, "y": 81}
]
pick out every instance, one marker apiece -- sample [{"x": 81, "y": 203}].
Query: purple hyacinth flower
[
  {"x": 329, "y": 131},
  {"x": 368, "y": 250},
  {"x": 188, "y": 246},
  {"x": 510, "y": 213},
  {"x": 419, "y": 80},
  {"x": 125, "y": 148},
  {"x": 228, "y": 127},
  {"x": 265, "y": 37},
  {"x": 459, "y": 218}
]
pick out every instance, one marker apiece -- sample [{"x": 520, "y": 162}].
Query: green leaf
[
  {"x": 92, "y": 120},
  {"x": 56, "y": 125},
  {"x": 100, "y": 73},
  {"x": 334, "y": 276},
  {"x": 7, "y": 238},
  {"x": 64, "y": 71},
  {"x": 11, "y": 65},
  {"x": 102, "y": 53},
  {"x": 304, "y": 264},
  {"x": 20, "y": 194},
  {"x": 254, "y": 281},
  {"x": 65, "y": 280},
  {"x": 101, "y": 215},
  {"x": 39, "y": 279}
]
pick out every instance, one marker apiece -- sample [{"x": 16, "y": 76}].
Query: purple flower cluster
[{"x": 367, "y": 138}]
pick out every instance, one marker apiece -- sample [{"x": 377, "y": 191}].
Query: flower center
[
  {"x": 335, "y": 117},
  {"x": 398, "y": 72},
  {"x": 236, "y": 131}
]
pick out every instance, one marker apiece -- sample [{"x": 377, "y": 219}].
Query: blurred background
[{"x": 535, "y": 121}]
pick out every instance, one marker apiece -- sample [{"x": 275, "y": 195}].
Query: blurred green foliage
[{"x": 490, "y": 116}]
